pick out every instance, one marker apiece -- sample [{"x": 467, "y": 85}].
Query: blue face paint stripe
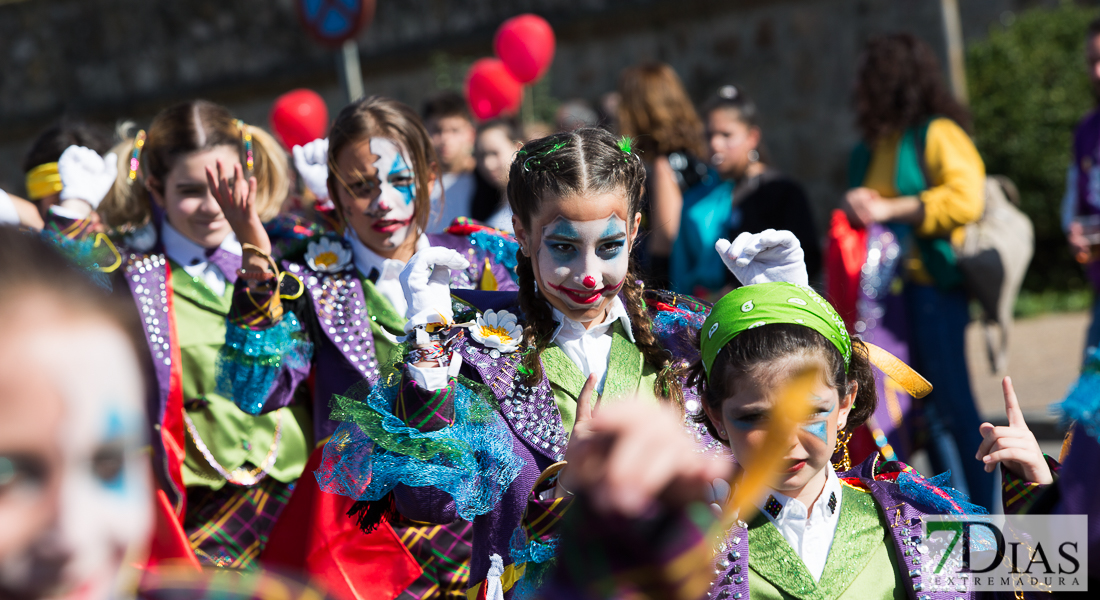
[
  {"x": 818, "y": 429},
  {"x": 408, "y": 192},
  {"x": 563, "y": 229},
  {"x": 614, "y": 228}
]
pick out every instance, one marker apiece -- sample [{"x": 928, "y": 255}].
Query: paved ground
[{"x": 1044, "y": 357}]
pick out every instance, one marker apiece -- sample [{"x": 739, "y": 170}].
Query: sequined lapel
[
  {"x": 731, "y": 558},
  {"x": 146, "y": 277},
  {"x": 530, "y": 410},
  {"x": 342, "y": 314}
]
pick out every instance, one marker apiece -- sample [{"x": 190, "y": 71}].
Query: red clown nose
[{"x": 589, "y": 281}]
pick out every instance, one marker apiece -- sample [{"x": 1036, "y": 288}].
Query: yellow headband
[{"x": 43, "y": 181}]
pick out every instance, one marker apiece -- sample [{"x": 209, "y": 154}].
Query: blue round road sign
[{"x": 335, "y": 21}]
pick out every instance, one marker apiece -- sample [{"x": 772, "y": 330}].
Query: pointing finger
[{"x": 1012, "y": 405}]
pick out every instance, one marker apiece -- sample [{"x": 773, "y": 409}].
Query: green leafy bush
[{"x": 1028, "y": 88}]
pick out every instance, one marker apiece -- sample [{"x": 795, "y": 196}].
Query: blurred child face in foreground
[
  {"x": 188, "y": 204},
  {"x": 376, "y": 188},
  {"x": 580, "y": 251},
  {"x": 744, "y": 419},
  {"x": 75, "y": 492}
]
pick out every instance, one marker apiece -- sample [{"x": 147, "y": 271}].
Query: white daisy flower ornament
[
  {"x": 327, "y": 256},
  {"x": 497, "y": 330}
]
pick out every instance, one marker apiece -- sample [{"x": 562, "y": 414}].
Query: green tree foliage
[{"x": 1028, "y": 88}]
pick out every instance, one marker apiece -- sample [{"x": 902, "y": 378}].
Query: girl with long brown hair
[
  {"x": 340, "y": 297},
  {"x": 655, "y": 110}
]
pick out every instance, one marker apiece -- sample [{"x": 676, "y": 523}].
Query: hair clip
[
  {"x": 728, "y": 92},
  {"x": 246, "y": 137},
  {"x": 541, "y": 155},
  {"x": 626, "y": 146},
  {"x": 135, "y": 155}
]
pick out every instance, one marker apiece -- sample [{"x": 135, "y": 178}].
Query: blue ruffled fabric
[
  {"x": 936, "y": 492},
  {"x": 472, "y": 460},
  {"x": 250, "y": 360},
  {"x": 668, "y": 322},
  {"x": 501, "y": 248},
  {"x": 1082, "y": 404}
]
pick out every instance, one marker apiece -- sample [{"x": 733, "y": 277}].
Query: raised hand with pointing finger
[{"x": 1013, "y": 445}]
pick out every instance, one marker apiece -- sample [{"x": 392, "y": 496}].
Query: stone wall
[{"x": 125, "y": 59}]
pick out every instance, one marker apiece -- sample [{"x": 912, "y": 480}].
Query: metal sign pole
[
  {"x": 347, "y": 65},
  {"x": 956, "y": 59}
]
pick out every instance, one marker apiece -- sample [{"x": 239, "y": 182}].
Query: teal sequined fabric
[
  {"x": 250, "y": 360},
  {"x": 501, "y": 248}
]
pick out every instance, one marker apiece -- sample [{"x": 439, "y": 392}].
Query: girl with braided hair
[{"x": 494, "y": 386}]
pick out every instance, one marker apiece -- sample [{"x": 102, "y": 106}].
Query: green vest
[
  {"x": 862, "y": 563},
  {"x": 627, "y": 374},
  {"x": 233, "y": 437},
  {"x": 382, "y": 315}
]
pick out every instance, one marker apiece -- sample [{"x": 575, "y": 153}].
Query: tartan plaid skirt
[
  {"x": 228, "y": 527},
  {"x": 443, "y": 552}
]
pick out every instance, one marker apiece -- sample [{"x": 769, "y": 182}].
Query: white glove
[
  {"x": 426, "y": 281},
  {"x": 8, "y": 214},
  {"x": 717, "y": 495},
  {"x": 85, "y": 175},
  {"x": 763, "y": 257},
  {"x": 311, "y": 161}
]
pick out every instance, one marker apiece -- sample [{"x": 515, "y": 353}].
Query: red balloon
[
  {"x": 526, "y": 46},
  {"x": 299, "y": 117},
  {"x": 491, "y": 90}
]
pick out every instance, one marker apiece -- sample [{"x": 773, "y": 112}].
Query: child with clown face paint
[
  {"x": 819, "y": 528},
  {"x": 345, "y": 292},
  {"x": 493, "y": 391}
]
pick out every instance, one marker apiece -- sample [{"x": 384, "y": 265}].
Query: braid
[
  {"x": 668, "y": 382},
  {"x": 539, "y": 317}
]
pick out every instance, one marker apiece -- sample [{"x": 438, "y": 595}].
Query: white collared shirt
[
  {"x": 389, "y": 269},
  {"x": 192, "y": 257},
  {"x": 812, "y": 537},
  {"x": 590, "y": 349}
]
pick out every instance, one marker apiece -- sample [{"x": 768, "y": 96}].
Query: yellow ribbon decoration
[
  {"x": 43, "y": 180},
  {"x": 894, "y": 368}
]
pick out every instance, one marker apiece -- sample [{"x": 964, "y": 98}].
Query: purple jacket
[
  {"x": 333, "y": 313},
  {"x": 538, "y": 436}
]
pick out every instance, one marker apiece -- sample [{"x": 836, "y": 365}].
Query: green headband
[{"x": 769, "y": 303}]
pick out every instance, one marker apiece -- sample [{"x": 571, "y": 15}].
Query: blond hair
[{"x": 182, "y": 129}]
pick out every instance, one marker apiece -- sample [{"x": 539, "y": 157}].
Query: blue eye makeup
[
  {"x": 401, "y": 177},
  {"x": 818, "y": 428}
]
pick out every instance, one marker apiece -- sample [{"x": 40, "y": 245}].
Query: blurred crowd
[{"x": 202, "y": 329}]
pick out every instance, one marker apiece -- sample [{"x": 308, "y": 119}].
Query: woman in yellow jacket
[{"x": 919, "y": 177}]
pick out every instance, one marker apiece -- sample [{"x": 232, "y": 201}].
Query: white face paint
[
  {"x": 379, "y": 199},
  {"x": 74, "y": 481},
  {"x": 582, "y": 265}
]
